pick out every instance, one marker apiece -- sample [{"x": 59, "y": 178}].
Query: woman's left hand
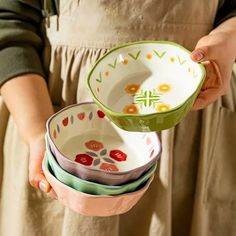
[{"x": 217, "y": 51}]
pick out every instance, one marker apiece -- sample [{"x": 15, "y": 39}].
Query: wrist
[
  {"x": 225, "y": 38},
  {"x": 227, "y": 27},
  {"x": 35, "y": 139},
  {"x": 33, "y": 134}
]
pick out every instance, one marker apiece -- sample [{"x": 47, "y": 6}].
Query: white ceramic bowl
[{"x": 88, "y": 145}]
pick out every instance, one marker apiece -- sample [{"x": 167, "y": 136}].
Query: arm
[
  {"x": 23, "y": 86},
  {"x": 27, "y": 98}
]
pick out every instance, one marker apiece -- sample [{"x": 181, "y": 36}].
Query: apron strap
[{"x": 50, "y": 8}]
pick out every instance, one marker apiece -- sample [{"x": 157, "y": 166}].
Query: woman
[{"x": 194, "y": 189}]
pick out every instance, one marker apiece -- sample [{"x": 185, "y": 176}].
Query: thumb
[
  {"x": 38, "y": 180},
  {"x": 36, "y": 175},
  {"x": 205, "y": 50}
]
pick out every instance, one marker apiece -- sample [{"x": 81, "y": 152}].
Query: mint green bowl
[
  {"x": 95, "y": 188},
  {"x": 146, "y": 86}
]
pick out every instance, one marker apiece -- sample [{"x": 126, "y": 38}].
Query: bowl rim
[
  {"x": 45, "y": 163},
  {"x": 48, "y": 136},
  {"x": 63, "y": 172},
  {"x": 125, "y": 45}
]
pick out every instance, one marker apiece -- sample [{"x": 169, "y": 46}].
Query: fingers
[
  {"x": 36, "y": 175},
  {"x": 206, "y": 52},
  {"x": 212, "y": 88},
  {"x": 38, "y": 180},
  {"x": 213, "y": 77},
  {"x": 205, "y": 98}
]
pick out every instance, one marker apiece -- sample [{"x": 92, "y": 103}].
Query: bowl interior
[
  {"x": 144, "y": 78},
  {"x": 82, "y": 133},
  {"x": 93, "y": 187}
]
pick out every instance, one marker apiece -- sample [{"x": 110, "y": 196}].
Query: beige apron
[{"x": 194, "y": 192}]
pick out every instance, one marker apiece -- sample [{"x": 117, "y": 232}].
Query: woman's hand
[
  {"x": 28, "y": 101},
  {"x": 36, "y": 175},
  {"x": 217, "y": 51}
]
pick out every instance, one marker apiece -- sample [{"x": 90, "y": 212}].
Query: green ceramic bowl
[
  {"x": 146, "y": 86},
  {"x": 95, "y": 188}
]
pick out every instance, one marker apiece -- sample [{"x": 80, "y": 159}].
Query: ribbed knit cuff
[{"x": 17, "y": 60}]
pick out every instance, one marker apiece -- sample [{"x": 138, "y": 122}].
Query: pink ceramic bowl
[
  {"x": 92, "y": 205},
  {"x": 88, "y": 145}
]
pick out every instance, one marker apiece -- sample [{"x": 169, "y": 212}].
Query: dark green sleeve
[
  {"x": 20, "y": 41},
  {"x": 226, "y": 10}
]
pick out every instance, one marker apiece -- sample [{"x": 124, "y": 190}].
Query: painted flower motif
[
  {"x": 81, "y": 115},
  {"x": 148, "y": 141},
  {"x": 94, "y": 145},
  {"x": 65, "y": 121},
  {"x": 108, "y": 167},
  {"x": 164, "y": 88},
  {"x": 149, "y": 56},
  {"x": 151, "y": 154},
  {"x": 130, "y": 109},
  {"x": 125, "y": 61},
  {"x": 118, "y": 155},
  {"x": 132, "y": 88},
  {"x": 107, "y": 73},
  {"x": 100, "y": 114},
  {"x": 99, "y": 157},
  {"x": 163, "y": 107},
  {"x": 55, "y": 134},
  {"x": 84, "y": 159}
]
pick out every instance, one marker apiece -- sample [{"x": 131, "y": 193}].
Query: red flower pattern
[
  {"x": 84, "y": 159},
  {"x": 118, "y": 155},
  {"x": 94, "y": 145},
  {"x": 81, "y": 115},
  {"x": 108, "y": 167},
  {"x": 65, "y": 121},
  {"x": 100, "y": 114}
]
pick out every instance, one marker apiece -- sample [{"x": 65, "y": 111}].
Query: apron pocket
[{"x": 221, "y": 181}]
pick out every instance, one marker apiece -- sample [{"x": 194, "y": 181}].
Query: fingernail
[
  {"x": 197, "y": 55},
  {"x": 43, "y": 186}
]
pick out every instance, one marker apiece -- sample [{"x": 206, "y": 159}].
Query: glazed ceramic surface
[
  {"x": 92, "y": 205},
  {"x": 146, "y": 86},
  {"x": 95, "y": 188},
  {"x": 90, "y": 146}
]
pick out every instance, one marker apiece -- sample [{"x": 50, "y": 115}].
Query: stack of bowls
[
  {"x": 95, "y": 167},
  {"x": 93, "y": 161}
]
